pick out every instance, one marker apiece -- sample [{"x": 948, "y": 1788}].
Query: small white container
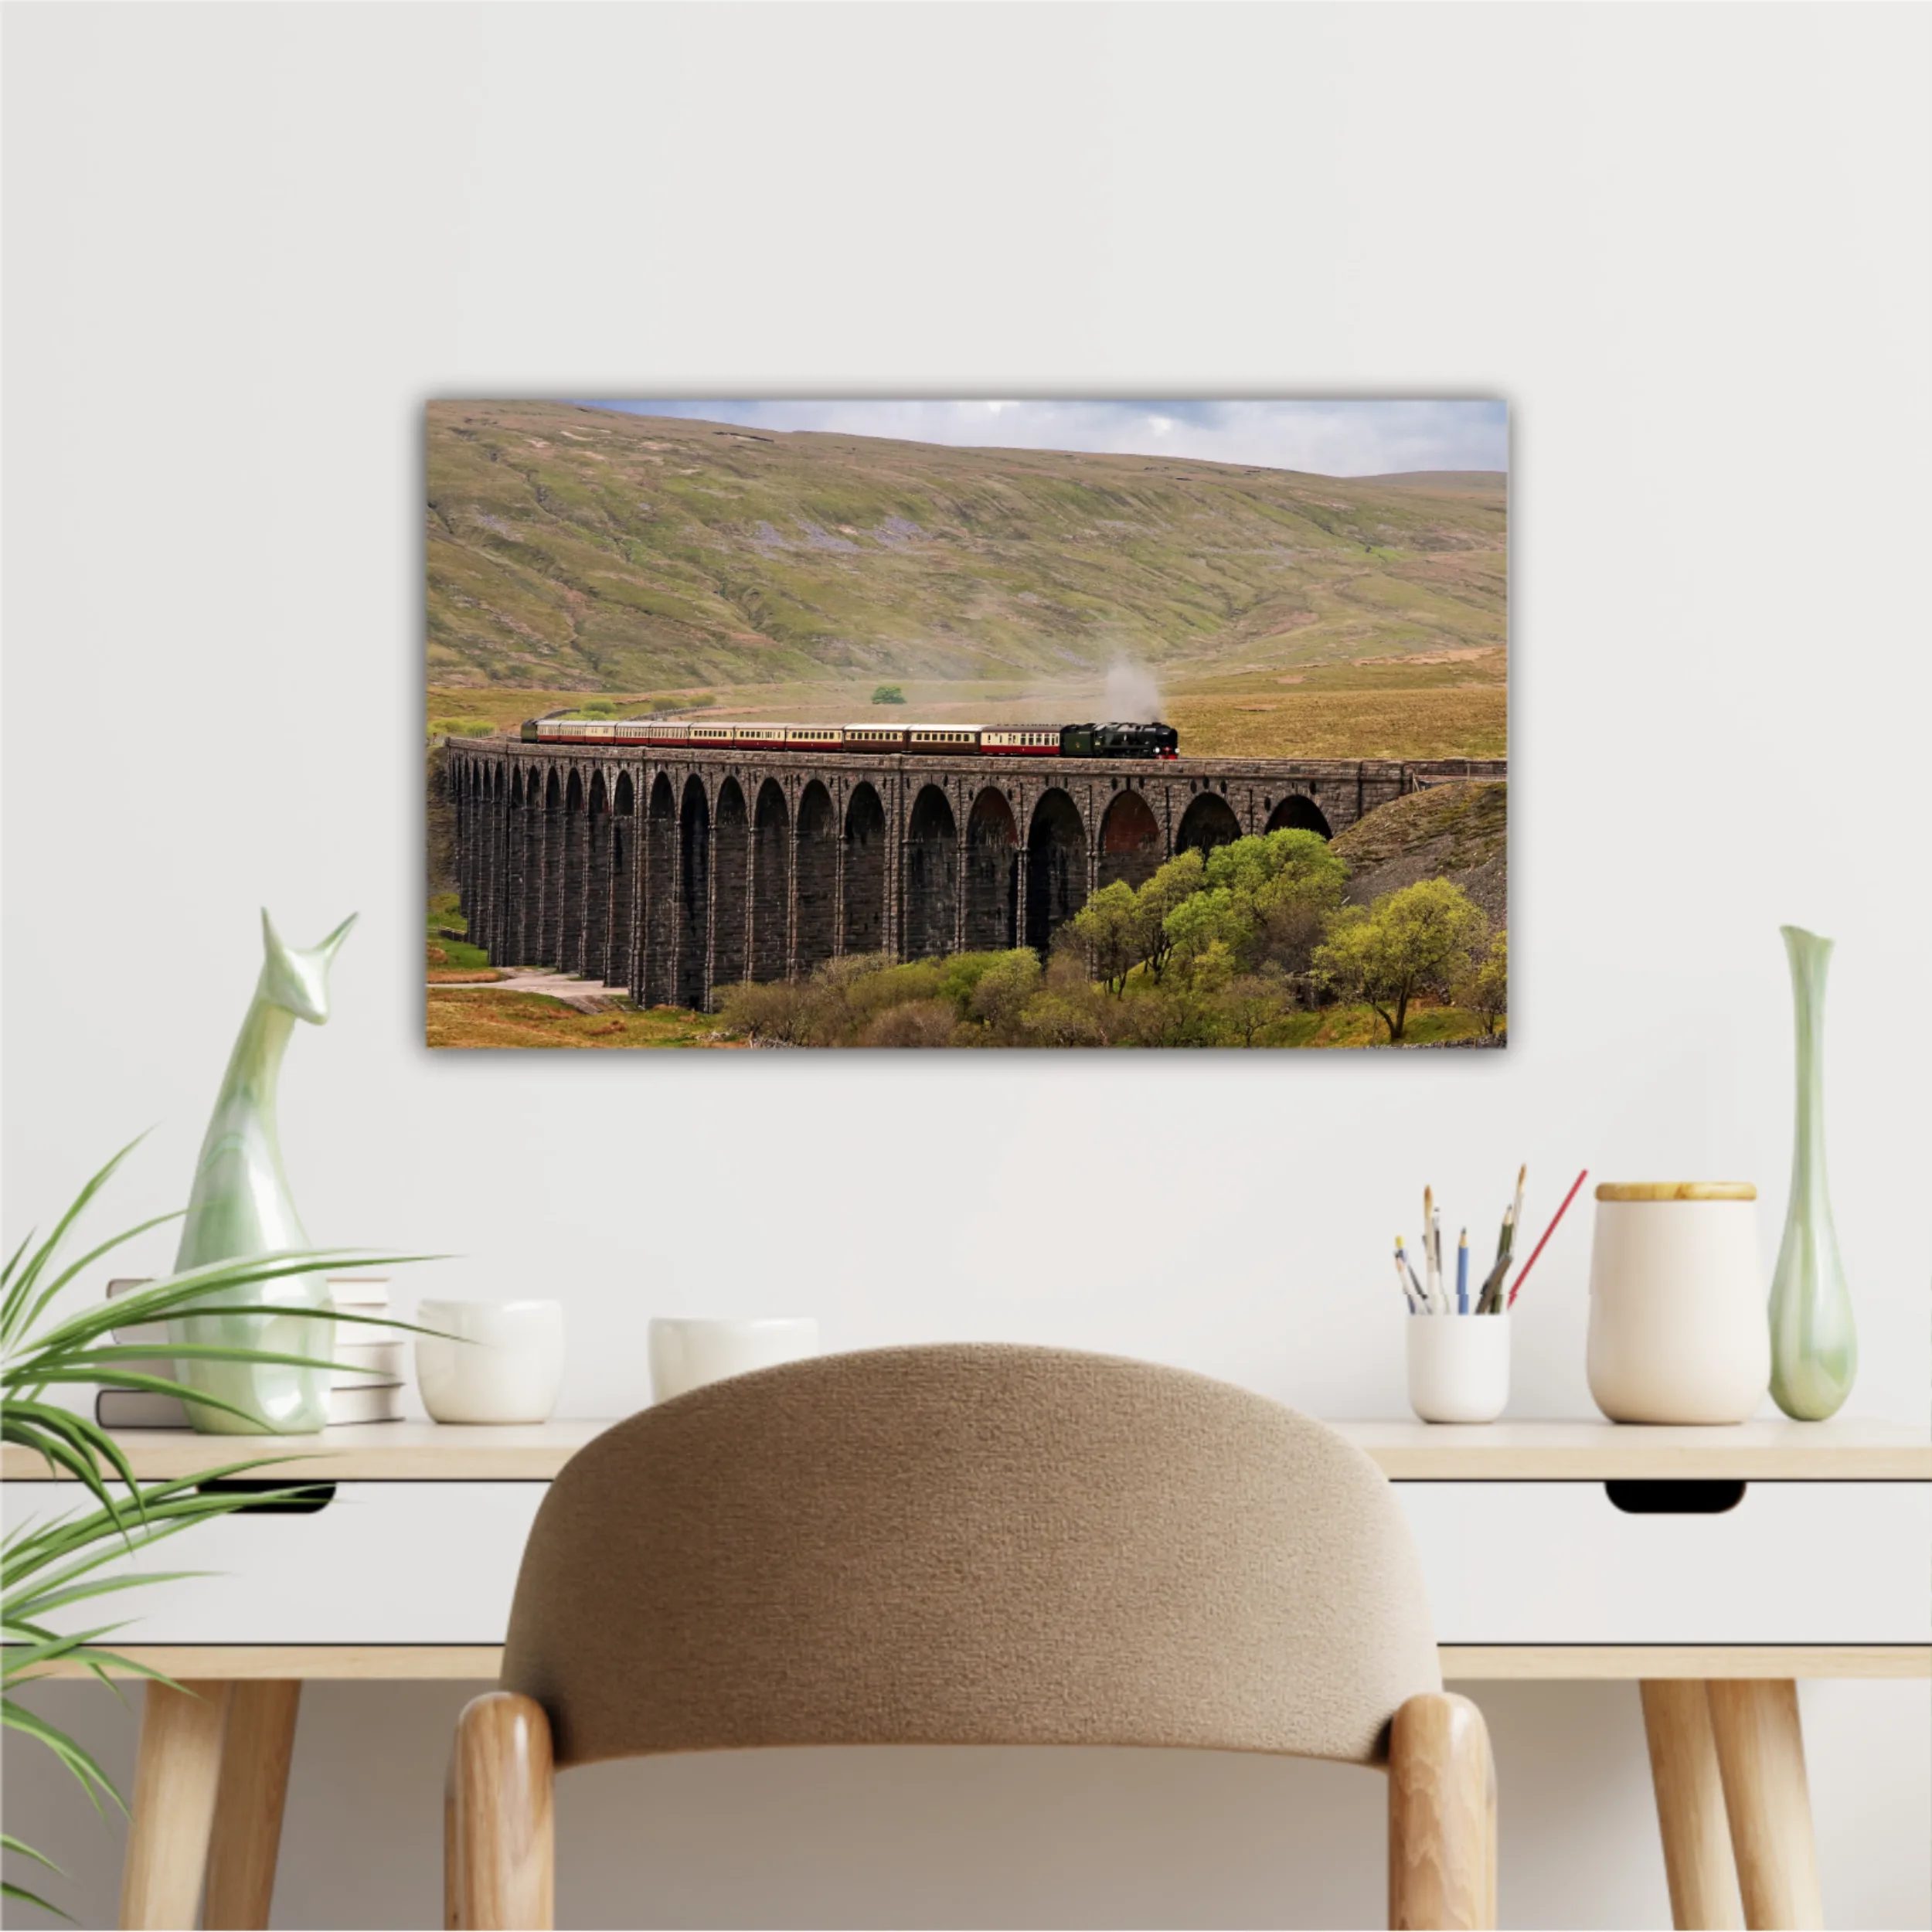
[
  {"x": 1678, "y": 1328},
  {"x": 492, "y": 1361},
  {"x": 685, "y": 1354},
  {"x": 1458, "y": 1366}
]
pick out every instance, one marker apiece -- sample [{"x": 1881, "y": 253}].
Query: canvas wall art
[{"x": 801, "y": 723}]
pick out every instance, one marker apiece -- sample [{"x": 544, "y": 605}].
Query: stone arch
[
  {"x": 658, "y": 926},
  {"x": 621, "y": 944},
  {"x": 573, "y": 922},
  {"x": 816, "y": 864},
  {"x": 693, "y": 909},
  {"x": 1209, "y": 821},
  {"x": 1056, "y": 866},
  {"x": 1130, "y": 840},
  {"x": 864, "y": 871},
  {"x": 594, "y": 953},
  {"x": 1298, "y": 814},
  {"x": 992, "y": 873},
  {"x": 932, "y": 875},
  {"x": 550, "y": 870},
  {"x": 771, "y": 880},
  {"x": 730, "y": 873}
]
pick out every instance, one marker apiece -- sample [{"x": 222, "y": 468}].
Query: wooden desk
[{"x": 1553, "y": 1550}]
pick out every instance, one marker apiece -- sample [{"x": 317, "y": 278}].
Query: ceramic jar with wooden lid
[{"x": 1677, "y": 1328}]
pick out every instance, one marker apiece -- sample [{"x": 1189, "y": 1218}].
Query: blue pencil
[{"x": 1462, "y": 1274}]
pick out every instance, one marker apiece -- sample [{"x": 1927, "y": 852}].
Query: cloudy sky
[{"x": 1334, "y": 438}]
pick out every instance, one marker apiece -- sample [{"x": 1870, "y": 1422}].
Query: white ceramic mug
[
  {"x": 492, "y": 1361},
  {"x": 685, "y": 1354},
  {"x": 1458, "y": 1366}
]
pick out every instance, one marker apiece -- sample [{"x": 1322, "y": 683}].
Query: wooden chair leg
[
  {"x": 1690, "y": 1805},
  {"x": 452, "y": 1919},
  {"x": 248, "y": 1805},
  {"x": 1760, "y": 1751},
  {"x": 177, "y": 1768},
  {"x": 505, "y": 1850},
  {"x": 1442, "y": 1817}
]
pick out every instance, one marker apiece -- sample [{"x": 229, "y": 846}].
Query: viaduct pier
[{"x": 680, "y": 873}]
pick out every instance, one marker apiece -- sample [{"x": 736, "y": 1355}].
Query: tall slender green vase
[
  {"x": 1815, "y": 1346},
  {"x": 241, "y": 1206}
]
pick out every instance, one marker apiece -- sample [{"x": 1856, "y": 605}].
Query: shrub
[
  {"x": 888, "y": 694},
  {"x": 921, "y": 1022}
]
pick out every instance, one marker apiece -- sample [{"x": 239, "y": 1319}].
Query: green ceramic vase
[
  {"x": 241, "y": 1206},
  {"x": 1814, "y": 1348}
]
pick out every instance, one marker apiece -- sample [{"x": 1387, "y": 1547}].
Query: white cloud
[{"x": 1329, "y": 436}]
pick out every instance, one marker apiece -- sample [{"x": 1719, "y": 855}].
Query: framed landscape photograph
[{"x": 967, "y": 723}]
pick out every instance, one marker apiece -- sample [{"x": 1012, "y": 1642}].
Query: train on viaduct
[{"x": 679, "y": 875}]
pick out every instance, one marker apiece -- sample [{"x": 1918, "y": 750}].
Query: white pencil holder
[{"x": 1458, "y": 1366}]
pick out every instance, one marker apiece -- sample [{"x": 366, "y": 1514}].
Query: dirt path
[{"x": 587, "y": 996}]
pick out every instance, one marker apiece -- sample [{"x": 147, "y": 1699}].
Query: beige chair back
[{"x": 974, "y": 1545}]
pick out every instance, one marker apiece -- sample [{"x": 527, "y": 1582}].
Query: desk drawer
[
  {"x": 1790, "y": 1563},
  {"x": 381, "y": 1562}
]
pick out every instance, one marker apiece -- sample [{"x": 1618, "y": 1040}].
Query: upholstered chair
[{"x": 970, "y": 1544}]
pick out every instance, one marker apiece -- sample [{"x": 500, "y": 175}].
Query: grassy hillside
[
  {"x": 573, "y": 549},
  {"x": 1456, "y": 832}
]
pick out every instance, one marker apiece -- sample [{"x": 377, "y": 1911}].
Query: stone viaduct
[{"x": 678, "y": 873}]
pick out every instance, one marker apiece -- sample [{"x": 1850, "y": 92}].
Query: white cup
[
  {"x": 1458, "y": 1366},
  {"x": 685, "y": 1354},
  {"x": 495, "y": 1362}
]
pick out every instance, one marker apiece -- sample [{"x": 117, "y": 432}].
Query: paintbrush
[{"x": 1545, "y": 1241}]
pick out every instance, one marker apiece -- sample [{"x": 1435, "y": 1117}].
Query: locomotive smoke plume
[{"x": 1133, "y": 696}]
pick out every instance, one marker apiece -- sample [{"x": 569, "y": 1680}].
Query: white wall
[{"x": 245, "y": 244}]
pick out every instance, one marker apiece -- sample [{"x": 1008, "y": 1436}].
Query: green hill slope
[{"x": 572, "y": 548}]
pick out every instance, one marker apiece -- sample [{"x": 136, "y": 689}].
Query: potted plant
[{"x": 74, "y": 1557}]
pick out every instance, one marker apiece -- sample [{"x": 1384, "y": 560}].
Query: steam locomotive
[{"x": 990, "y": 741}]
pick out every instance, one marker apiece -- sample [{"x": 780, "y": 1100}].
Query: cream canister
[{"x": 1678, "y": 1327}]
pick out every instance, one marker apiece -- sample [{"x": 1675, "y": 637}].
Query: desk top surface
[{"x": 1846, "y": 1450}]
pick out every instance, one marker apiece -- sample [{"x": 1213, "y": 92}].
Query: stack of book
[{"x": 367, "y": 1387}]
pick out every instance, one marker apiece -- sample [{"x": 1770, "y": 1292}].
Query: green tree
[
  {"x": 1004, "y": 988},
  {"x": 888, "y": 694},
  {"x": 1484, "y": 987},
  {"x": 1422, "y": 937},
  {"x": 1177, "y": 880},
  {"x": 1110, "y": 930}
]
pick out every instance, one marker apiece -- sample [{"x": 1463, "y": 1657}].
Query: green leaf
[
  {"x": 91, "y": 1777},
  {"x": 22, "y": 1286},
  {"x": 9, "y": 1890},
  {"x": 87, "y": 1260},
  {"x": 9, "y": 1843}
]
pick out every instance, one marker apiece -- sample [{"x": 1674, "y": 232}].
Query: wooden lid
[{"x": 1676, "y": 1191}]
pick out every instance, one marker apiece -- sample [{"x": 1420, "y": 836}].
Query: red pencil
[{"x": 1547, "y": 1233}]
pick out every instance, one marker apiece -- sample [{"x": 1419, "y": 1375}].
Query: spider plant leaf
[
  {"x": 43, "y": 1601},
  {"x": 190, "y": 1351},
  {"x": 22, "y": 1286},
  {"x": 92, "y": 1778},
  {"x": 87, "y": 1260},
  {"x": 166, "y": 1298},
  {"x": 13, "y": 1259},
  {"x": 50, "y": 1649},
  {"x": 54, "y": 1445},
  {"x": 82, "y": 1433},
  {"x": 9, "y": 1843},
  {"x": 9, "y": 1890}
]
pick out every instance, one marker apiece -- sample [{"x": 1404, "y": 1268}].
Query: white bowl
[
  {"x": 685, "y": 1354},
  {"x": 495, "y": 1362}
]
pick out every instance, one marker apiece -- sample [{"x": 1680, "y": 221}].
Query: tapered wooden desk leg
[
  {"x": 1761, "y": 1749},
  {"x": 1442, "y": 1816},
  {"x": 1690, "y": 1805},
  {"x": 248, "y": 1807},
  {"x": 176, "y": 1771}
]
